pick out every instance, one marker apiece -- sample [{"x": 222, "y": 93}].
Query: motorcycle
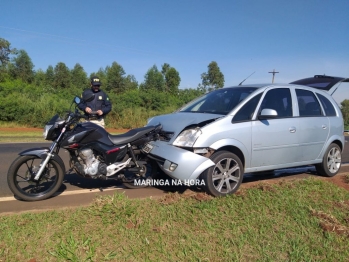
[{"x": 38, "y": 173}]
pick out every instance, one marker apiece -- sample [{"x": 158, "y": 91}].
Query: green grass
[
  {"x": 305, "y": 220},
  {"x": 29, "y": 136},
  {"x": 11, "y": 136}
]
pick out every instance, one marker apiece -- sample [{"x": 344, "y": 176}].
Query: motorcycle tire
[
  {"x": 20, "y": 178},
  {"x": 144, "y": 181}
]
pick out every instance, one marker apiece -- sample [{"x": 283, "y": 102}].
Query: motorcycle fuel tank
[{"x": 85, "y": 133}]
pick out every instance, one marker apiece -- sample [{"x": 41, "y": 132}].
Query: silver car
[{"x": 225, "y": 133}]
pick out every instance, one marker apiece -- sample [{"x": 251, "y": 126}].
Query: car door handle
[
  {"x": 324, "y": 127},
  {"x": 292, "y": 129}
]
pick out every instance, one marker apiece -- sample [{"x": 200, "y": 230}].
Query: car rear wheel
[
  {"x": 225, "y": 176},
  {"x": 331, "y": 162}
]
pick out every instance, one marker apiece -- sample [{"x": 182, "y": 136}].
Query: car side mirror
[{"x": 267, "y": 114}]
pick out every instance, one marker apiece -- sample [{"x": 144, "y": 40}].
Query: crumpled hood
[{"x": 176, "y": 122}]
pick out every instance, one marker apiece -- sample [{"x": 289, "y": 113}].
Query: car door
[
  {"x": 313, "y": 125},
  {"x": 275, "y": 139}
]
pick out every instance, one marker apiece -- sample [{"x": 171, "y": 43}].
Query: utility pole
[{"x": 273, "y": 72}]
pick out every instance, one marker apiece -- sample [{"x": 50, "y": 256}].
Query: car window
[
  {"x": 220, "y": 101},
  {"x": 280, "y": 100},
  {"x": 246, "y": 112},
  {"x": 307, "y": 103},
  {"x": 327, "y": 105}
]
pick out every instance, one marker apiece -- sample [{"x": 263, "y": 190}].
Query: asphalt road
[{"x": 78, "y": 191}]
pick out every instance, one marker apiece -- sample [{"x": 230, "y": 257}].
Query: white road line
[{"x": 66, "y": 193}]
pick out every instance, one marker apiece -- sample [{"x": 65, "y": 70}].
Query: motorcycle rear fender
[{"x": 42, "y": 153}]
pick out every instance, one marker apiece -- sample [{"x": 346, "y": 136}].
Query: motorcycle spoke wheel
[{"x": 21, "y": 178}]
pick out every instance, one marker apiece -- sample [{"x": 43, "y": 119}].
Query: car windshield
[{"x": 220, "y": 101}]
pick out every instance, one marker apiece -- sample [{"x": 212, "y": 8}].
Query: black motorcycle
[{"x": 94, "y": 153}]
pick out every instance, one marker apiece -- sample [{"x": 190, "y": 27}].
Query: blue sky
[{"x": 298, "y": 38}]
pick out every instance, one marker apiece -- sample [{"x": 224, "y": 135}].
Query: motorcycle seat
[{"x": 131, "y": 135}]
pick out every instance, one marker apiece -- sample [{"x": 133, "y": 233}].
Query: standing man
[{"x": 99, "y": 107}]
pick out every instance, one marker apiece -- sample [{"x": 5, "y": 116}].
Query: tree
[
  {"x": 40, "y": 78},
  {"x": 153, "y": 79},
  {"x": 5, "y": 52},
  {"x": 165, "y": 67},
  {"x": 22, "y": 67},
  {"x": 115, "y": 78},
  {"x": 131, "y": 83},
  {"x": 345, "y": 112},
  {"x": 213, "y": 79},
  {"x": 49, "y": 76},
  {"x": 172, "y": 79},
  {"x": 79, "y": 77},
  {"x": 62, "y": 77}
]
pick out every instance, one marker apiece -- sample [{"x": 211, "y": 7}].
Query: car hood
[{"x": 176, "y": 122}]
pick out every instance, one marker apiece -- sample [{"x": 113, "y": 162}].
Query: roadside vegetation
[
  {"x": 303, "y": 220},
  {"x": 31, "y": 97},
  {"x": 14, "y": 133}
]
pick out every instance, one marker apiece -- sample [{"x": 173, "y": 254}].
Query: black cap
[{"x": 95, "y": 81}]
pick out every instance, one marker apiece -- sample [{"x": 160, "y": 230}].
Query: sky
[{"x": 247, "y": 38}]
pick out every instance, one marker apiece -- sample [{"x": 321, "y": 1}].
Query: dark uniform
[{"x": 100, "y": 102}]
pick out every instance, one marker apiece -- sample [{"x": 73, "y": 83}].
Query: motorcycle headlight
[
  {"x": 46, "y": 130},
  {"x": 188, "y": 137}
]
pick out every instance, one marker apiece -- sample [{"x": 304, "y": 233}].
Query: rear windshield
[
  {"x": 319, "y": 82},
  {"x": 220, "y": 101}
]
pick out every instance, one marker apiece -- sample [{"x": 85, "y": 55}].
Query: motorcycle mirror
[
  {"x": 77, "y": 100},
  {"x": 88, "y": 96}
]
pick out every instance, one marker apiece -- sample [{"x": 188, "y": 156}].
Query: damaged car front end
[{"x": 193, "y": 133}]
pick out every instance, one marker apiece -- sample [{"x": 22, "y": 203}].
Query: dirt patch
[
  {"x": 329, "y": 223},
  {"x": 174, "y": 197},
  {"x": 340, "y": 180}
]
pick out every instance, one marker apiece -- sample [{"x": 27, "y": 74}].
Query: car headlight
[
  {"x": 46, "y": 129},
  {"x": 188, "y": 137}
]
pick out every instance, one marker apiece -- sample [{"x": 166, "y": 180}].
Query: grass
[
  {"x": 17, "y": 137},
  {"x": 304, "y": 220},
  {"x": 12, "y": 133}
]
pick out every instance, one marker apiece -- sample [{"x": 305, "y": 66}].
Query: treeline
[{"x": 31, "y": 97}]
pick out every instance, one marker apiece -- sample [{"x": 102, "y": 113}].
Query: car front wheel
[
  {"x": 225, "y": 176},
  {"x": 331, "y": 162}
]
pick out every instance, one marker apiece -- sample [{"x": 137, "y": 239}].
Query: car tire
[
  {"x": 331, "y": 162},
  {"x": 225, "y": 177}
]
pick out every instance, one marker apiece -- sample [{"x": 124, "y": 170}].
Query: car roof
[
  {"x": 257, "y": 85},
  {"x": 323, "y": 82}
]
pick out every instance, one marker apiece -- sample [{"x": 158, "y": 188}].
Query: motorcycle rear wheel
[
  {"x": 20, "y": 178},
  {"x": 142, "y": 181}
]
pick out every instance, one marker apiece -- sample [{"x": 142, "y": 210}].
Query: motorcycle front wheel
[{"x": 20, "y": 178}]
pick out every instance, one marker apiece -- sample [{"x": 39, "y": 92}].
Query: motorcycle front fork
[{"x": 45, "y": 161}]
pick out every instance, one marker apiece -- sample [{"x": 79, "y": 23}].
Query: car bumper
[{"x": 189, "y": 165}]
